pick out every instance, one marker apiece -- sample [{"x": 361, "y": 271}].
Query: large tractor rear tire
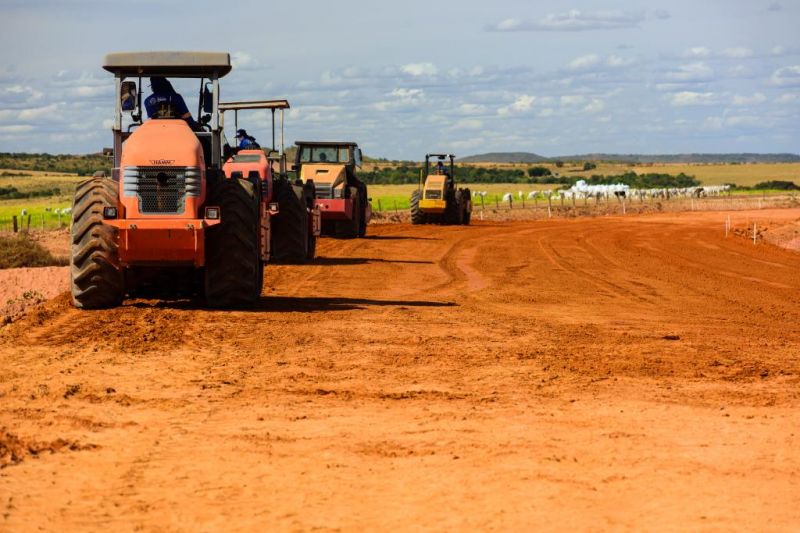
[
  {"x": 289, "y": 228},
  {"x": 96, "y": 278},
  {"x": 467, "y": 195},
  {"x": 417, "y": 216},
  {"x": 362, "y": 226},
  {"x": 309, "y": 195},
  {"x": 234, "y": 273},
  {"x": 453, "y": 211}
]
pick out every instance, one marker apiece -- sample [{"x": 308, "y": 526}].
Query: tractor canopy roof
[
  {"x": 254, "y": 104},
  {"x": 327, "y": 143},
  {"x": 172, "y": 64}
]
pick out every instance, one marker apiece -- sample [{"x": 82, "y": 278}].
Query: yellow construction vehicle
[{"x": 437, "y": 200}]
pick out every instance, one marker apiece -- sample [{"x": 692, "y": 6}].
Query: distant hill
[
  {"x": 527, "y": 157},
  {"x": 504, "y": 157}
]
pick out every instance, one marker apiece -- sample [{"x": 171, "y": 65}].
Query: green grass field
[
  {"x": 386, "y": 197},
  {"x": 40, "y": 208}
]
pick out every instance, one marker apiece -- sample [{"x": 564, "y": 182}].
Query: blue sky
[{"x": 403, "y": 78}]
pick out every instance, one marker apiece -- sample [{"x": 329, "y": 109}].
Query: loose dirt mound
[
  {"x": 23, "y": 288},
  {"x": 594, "y": 373},
  {"x": 14, "y": 450}
]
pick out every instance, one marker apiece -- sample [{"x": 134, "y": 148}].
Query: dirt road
[{"x": 627, "y": 373}]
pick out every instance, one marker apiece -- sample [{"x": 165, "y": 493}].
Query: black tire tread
[
  {"x": 96, "y": 277},
  {"x": 289, "y": 228},
  {"x": 417, "y": 216},
  {"x": 467, "y": 207},
  {"x": 233, "y": 273}
]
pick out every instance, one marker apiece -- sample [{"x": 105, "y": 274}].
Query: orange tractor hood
[{"x": 162, "y": 143}]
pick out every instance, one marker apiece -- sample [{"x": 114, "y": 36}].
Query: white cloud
[
  {"x": 788, "y": 98},
  {"x": 401, "y": 98},
  {"x": 595, "y": 106},
  {"x": 691, "y": 98},
  {"x": 37, "y": 112},
  {"x": 576, "y": 20},
  {"x": 411, "y": 95},
  {"x": 18, "y": 95},
  {"x": 242, "y": 60},
  {"x": 468, "y": 124},
  {"x": 583, "y": 62},
  {"x": 619, "y": 62},
  {"x": 698, "y": 52},
  {"x": 774, "y": 7},
  {"x": 572, "y": 99},
  {"x": 738, "y": 52},
  {"x": 420, "y": 69},
  {"x": 757, "y": 98},
  {"x": 508, "y": 25},
  {"x": 88, "y": 91},
  {"x": 522, "y": 104},
  {"x": 698, "y": 71},
  {"x": 16, "y": 128},
  {"x": 787, "y": 76},
  {"x": 472, "y": 109},
  {"x": 745, "y": 120}
]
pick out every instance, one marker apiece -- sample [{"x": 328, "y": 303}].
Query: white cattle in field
[
  {"x": 24, "y": 213},
  {"x": 532, "y": 195},
  {"x": 507, "y": 197}
]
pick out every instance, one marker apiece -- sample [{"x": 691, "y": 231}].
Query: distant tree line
[
  {"x": 83, "y": 165},
  {"x": 411, "y": 174},
  {"x": 12, "y": 193},
  {"x": 536, "y": 174},
  {"x": 778, "y": 185},
  {"x": 645, "y": 181}
]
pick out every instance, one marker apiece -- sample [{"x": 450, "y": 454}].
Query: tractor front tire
[
  {"x": 289, "y": 228},
  {"x": 96, "y": 278},
  {"x": 417, "y": 216},
  {"x": 233, "y": 273}
]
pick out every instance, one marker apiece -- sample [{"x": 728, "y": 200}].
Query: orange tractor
[
  {"x": 291, "y": 231},
  {"x": 340, "y": 196},
  {"x": 168, "y": 215}
]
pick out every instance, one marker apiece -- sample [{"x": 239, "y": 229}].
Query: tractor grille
[
  {"x": 324, "y": 191},
  {"x": 161, "y": 190},
  {"x": 433, "y": 195}
]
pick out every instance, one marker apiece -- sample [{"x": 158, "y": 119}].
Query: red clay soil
[
  {"x": 629, "y": 373},
  {"x": 20, "y": 288}
]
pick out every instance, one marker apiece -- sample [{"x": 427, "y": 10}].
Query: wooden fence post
[{"x": 14, "y": 222}]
